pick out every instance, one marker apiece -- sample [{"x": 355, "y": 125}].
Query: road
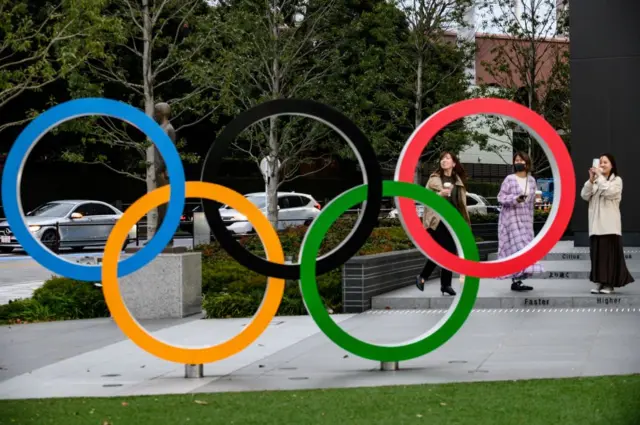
[{"x": 20, "y": 274}]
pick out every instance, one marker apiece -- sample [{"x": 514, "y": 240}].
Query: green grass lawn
[{"x": 602, "y": 401}]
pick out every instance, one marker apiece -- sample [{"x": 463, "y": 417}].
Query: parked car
[
  {"x": 294, "y": 209},
  {"x": 476, "y": 204},
  {"x": 186, "y": 219},
  {"x": 75, "y": 223}
]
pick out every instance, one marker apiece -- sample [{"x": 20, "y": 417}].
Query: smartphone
[{"x": 596, "y": 163}]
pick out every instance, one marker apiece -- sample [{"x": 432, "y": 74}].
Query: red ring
[{"x": 560, "y": 162}]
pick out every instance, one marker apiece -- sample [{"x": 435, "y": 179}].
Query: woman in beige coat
[
  {"x": 603, "y": 191},
  {"x": 448, "y": 181}
]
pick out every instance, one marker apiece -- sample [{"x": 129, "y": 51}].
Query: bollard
[
  {"x": 193, "y": 371},
  {"x": 389, "y": 366}
]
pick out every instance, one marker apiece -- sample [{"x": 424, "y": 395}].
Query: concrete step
[
  {"x": 629, "y": 255},
  {"x": 576, "y": 269},
  {"x": 565, "y": 251},
  {"x": 497, "y": 294}
]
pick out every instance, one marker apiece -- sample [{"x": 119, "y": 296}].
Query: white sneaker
[
  {"x": 606, "y": 291},
  {"x": 597, "y": 290}
]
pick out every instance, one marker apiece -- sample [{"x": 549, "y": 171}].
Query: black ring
[{"x": 350, "y": 132}]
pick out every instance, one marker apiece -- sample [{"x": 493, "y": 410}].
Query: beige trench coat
[{"x": 430, "y": 219}]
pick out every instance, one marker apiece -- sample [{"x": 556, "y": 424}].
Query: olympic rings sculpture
[{"x": 371, "y": 193}]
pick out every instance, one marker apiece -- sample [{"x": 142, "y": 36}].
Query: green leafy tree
[
  {"x": 162, "y": 52},
  {"x": 365, "y": 81},
  {"x": 42, "y": 43},
  {"x": 273, "y": 51}
]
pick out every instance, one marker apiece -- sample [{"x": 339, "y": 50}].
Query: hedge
[
  {"x": 230, "y": 290},
  {"x": 60, "y": 298}
]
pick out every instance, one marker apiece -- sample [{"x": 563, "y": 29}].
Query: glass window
[
  {"x": 471, "y": 201},
  {"x": 283, "y": 202},
  {"x": 297, "y": 201},
  {"x": 52, "y": 209},
  {"x": 84, "y": 209},
  {"x": 258, "y": 200},
  {"x": 100, "y": 209}
]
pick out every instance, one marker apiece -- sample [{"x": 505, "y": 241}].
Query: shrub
[
  {"x": 59, "y": 298},
  {"x": 24, "y": 310},
  {"x": 233, "y": 291},
  {"x": 71, "y": 299},
  {"x": 229, "y": 305}
]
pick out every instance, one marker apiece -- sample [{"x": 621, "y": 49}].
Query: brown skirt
[{"x": 608, "y": 266}]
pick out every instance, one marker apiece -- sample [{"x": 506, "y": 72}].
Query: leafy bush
[
  {"x": 24, "y": 310},
  {"x": 230, "y": 290},
  {"x": 59, "y": 298},
  {"x": 72, "y": 299}
]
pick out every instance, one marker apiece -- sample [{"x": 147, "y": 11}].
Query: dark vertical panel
[{"x": 605, "y": 94}]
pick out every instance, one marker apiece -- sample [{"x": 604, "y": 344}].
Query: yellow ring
[{"x": 187, "y": 355}]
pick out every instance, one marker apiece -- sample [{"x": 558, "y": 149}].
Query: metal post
[
  {"x": 193, "y": 371},
  {"x": 56, "y": 247},
  {"x": 389, "y": 366}
]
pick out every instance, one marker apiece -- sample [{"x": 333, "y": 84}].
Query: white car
[
  {"x": 476, "y": 204},
  {"x": 294, "y": 209}
]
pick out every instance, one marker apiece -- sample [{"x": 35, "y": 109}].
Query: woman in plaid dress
[{"x": 515, "y": 225}]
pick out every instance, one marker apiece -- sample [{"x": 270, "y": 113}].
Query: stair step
[
  {"x": 497, "y": 294},
  {"x": 629, "y": 255},
  {"x": 576, "y": 270}
]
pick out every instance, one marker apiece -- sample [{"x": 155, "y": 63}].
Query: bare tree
[
  {"x": 168, "y": 40},
  {"x": 275, "y": 54},
  {"x": 429, "y": 22},
  {"x": 38, "y": 49},
  {"x": 529, "y": 65}
]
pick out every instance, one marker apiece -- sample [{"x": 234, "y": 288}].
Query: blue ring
[{"x": 12, "y": 176}]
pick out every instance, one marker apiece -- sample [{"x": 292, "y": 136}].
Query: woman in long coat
[
  {"x": 449, "y": 182},
  {"x": 515, "y": 225},
  {"x": 603, "y": 191}
]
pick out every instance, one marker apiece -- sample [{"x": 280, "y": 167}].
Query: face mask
[{"x": 519, "y": 167}]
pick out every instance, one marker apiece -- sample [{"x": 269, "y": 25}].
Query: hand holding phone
[{"x": 521, "y": 198}]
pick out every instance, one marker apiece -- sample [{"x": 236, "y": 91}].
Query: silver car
[{"x": 76, "y": 224}]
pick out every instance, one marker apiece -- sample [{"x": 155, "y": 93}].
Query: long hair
[
  {"x": 458, "y": 169},
  {"x": 614, "y": 166},
  {"x": 527, "y": 161}
]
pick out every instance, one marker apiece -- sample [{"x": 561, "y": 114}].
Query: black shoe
[
  {"x": 420, "y": 283},
  {"x": 447, "y": 290},
  {"x": 519, "y": 286}
]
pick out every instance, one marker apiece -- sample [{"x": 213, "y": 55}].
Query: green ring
[{"x": 421, "y": 345}]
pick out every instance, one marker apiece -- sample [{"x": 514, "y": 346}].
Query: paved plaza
[
  {"x": 557, "y": 330},
  {"x": 92, "y": 357}
]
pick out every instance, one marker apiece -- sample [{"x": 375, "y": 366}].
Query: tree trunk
[
  {"x": 273, "y": 180},
  {"x": 152, "y": 216},
  {"x": 418, "y": 115},
  {"x": 274, "y": 146}
]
